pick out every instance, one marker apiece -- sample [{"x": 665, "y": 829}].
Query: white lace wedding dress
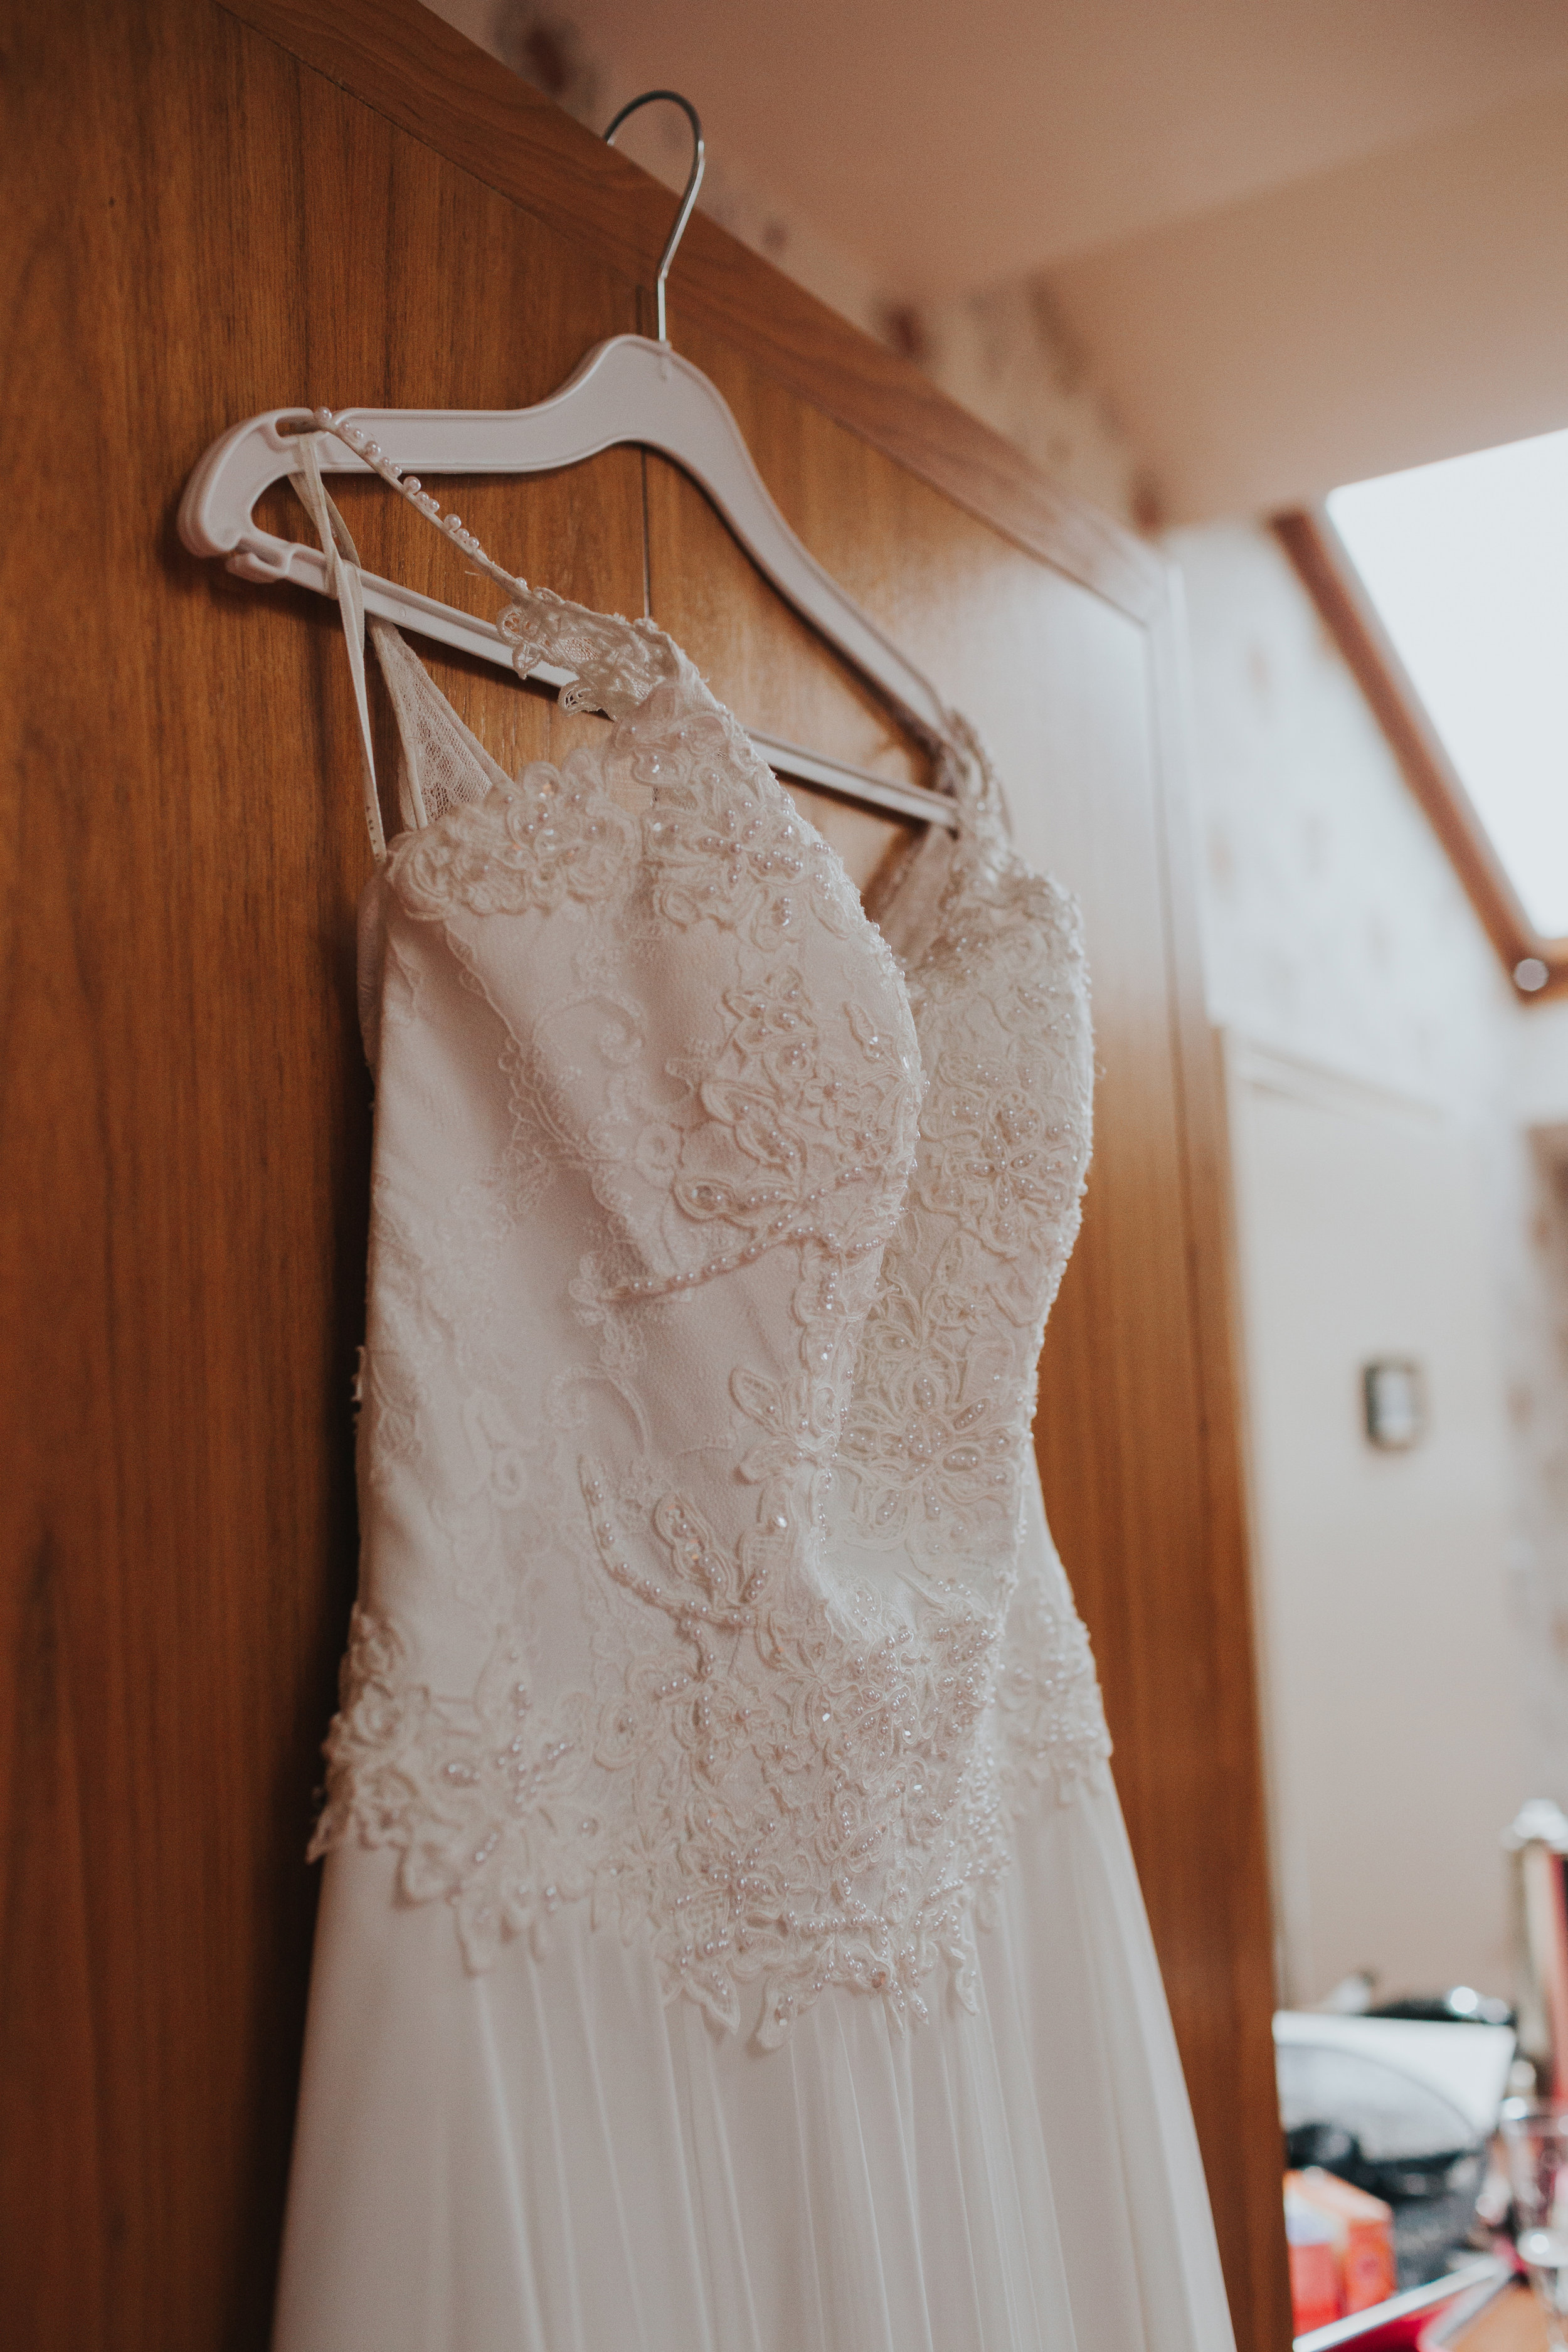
[{"x": 729, "y": 1940}]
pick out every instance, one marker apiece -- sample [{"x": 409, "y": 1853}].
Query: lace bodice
[{"x": 714, "y": 1230}]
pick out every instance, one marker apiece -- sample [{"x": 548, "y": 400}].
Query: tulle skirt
[{"x": 550, "y": 2159}]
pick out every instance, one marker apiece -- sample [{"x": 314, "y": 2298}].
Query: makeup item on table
[
  {"x": 1362, "y": 2228},
  {"x": 1314, "y": 2273}
]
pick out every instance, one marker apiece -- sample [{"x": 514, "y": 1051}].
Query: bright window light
[{"x": 1466, "y": 563}]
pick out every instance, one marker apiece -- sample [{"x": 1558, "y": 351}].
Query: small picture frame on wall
[{"x": 1393, "y": 1403}]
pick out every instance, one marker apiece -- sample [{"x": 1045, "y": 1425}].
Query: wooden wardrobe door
[{"x": 340, "y": 201}]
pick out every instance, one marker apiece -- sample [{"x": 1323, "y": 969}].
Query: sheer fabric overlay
[{"x": 713, "y": 1683}]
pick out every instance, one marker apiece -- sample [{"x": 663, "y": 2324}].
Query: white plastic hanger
[{"x": 628, "y": 389}]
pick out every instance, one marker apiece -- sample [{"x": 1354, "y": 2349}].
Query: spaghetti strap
[
  {"x": 616, "y": 662},
  {"x": 344, "y": 571},
  {"x": 443, "y": 762}
]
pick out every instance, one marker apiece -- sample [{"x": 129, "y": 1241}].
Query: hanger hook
[{"x": 694, "y": 179}]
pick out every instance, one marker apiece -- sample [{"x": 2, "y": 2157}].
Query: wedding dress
[{"x": 729, "y": 1940}]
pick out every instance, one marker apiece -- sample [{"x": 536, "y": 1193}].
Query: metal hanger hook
[{"x": 694, "y": 181}]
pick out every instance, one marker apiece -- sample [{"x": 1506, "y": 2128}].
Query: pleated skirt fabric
[{"x": 550, "y": 2159}]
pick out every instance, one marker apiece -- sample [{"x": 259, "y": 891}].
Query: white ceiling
[
  {"x": 1302, "y": 239},
  {"x": 955, "y": 142},
  {"x": 1410, "y": 306}
]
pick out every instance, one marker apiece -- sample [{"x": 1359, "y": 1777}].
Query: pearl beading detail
[
  {"x": 783, "y": 1232},
  {"x": 616, "y": 662},
  {"x": 408, "y": 486}
]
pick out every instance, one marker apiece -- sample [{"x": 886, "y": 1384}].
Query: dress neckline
[{"x": 913, "y": 890}]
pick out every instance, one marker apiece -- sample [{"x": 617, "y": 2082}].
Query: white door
[{"x": 1390, "y": 1702}]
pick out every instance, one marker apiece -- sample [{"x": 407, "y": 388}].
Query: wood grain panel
[
  {"x": 196, "y": 227},
  {"x": 439, "y": 87},
  {"x": 1230, "y": 2060}
]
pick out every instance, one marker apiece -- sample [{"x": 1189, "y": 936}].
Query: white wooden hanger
[{"x": 628, "y": 389}]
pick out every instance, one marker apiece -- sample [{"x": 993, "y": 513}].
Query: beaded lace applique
[{"x": 707, "y": 1284}]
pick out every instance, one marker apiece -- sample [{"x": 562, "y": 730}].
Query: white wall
[{"x": 1334, "y": 926}]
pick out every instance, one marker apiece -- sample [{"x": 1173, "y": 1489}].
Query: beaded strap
[
  {"x": 409, "y": 486},
  {"x": 618, "y": 662}
]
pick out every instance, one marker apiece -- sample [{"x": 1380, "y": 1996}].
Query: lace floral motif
[
  {"x": 1052, "y": 1725},
  {"x": 478, "y": 1797},
  {"x": 721, "y": 842},
  {"x": 618, "y": 663},
  {"x": 830, "y": 1784},
  {"x": 551, "y": 836},
  {"x": 723, "y": 1444},
  {"x": 727, "y": 845},
  {"x": 935, "y": 1444}
]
